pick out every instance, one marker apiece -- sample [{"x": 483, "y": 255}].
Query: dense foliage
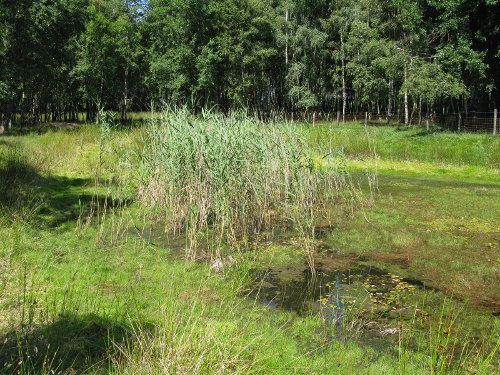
[{"x": 59, "y": 58}]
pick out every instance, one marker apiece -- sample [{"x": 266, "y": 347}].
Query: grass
[
  {"x": 69, "y": 304},
  {"x": 430, "y": 171},
  {"x": 443, "y": 232},
  {"x": 409, "y": 144},
  {"x": 90, "y": 285}
]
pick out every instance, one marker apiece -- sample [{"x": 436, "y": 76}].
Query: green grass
[
  {"x": 432, "y": 171},
  {"x": 409, "y": 144},
  {"x": 436, "y": 212},
  {"x": 86, "y": 288},
  {"x": 71, "y": 304}
]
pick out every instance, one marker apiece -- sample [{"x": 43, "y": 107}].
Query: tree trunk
[
  {"x": 427, "y": 117},
  {"x": 125, "y": 97},
  {"x": 414, "y": 108},
  {"x": 286, "y": 36},
  {"x": 407, "y": 108},
  {"x": 419, "y": 111},
  {"x": 21, "y": 108},
  {"x": 344, "y": 92},
  {"x": 7, "y": 117}
]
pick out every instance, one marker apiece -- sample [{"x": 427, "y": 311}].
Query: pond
[{"x": 365, "y": 303}]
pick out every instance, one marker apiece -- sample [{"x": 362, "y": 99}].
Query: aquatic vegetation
[
  {"x": 232, "y": 175},
  {"x": 463, "y": 224}
]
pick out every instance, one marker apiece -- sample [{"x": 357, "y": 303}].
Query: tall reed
[{"x": 229, "y": 175}]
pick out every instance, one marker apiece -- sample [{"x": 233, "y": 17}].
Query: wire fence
[
  {"x": 482, "y": 122},
  {"x": 472, "y": 121},
  {"x": 486, "y": 122}
]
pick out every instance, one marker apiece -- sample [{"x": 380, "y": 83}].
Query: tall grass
[
  {"x": 187, "y": 341},
  {"x": 450, "y": 346},
  {"x": 230, "y": 175}
]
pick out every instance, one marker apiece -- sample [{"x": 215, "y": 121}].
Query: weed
[{"x": 112, "y": 299}]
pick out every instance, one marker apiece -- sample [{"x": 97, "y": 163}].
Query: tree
[
  {"x": 58, "y": 58},
  {"x": 108, "y": 56},
  {"x": 37, "y": 56},
  {"x": 428, "y": 83}
]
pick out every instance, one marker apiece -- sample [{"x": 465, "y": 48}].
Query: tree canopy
[{"x": 59, "y": 58}]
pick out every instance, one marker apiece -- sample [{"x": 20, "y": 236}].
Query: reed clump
[{"x": 231, "y": 176}]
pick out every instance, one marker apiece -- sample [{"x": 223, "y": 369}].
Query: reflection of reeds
[
  {"x": 232, "y": 175},
  {"x": 342, "y": 314}
]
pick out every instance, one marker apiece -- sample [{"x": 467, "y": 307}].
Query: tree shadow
[
  {"x": 427, "y": 132},
  {"x": 40, "y": 129},
  {"x": 66, "y": 199},
  {"x": 5, "y": 143},
  {"x": 381, "y": 123},
  {"x": 18, "y": 131},
  {"x": 70, "y": 344},
  {"x": 50, "y": 201}
]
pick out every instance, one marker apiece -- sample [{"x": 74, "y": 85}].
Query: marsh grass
[
  {"x": 202, "y": 330},
  {"x": 187, "y": 341},
  {"x": 230, "y": 174},
  {"x": 449, "y": 345},
  {"x": 106, "y": 301}
]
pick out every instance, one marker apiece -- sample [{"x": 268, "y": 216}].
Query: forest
[{"x": 64, "y": 60}]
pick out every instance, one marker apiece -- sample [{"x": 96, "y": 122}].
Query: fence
[
  {"x": 485, "y": 122},
  {"x": 320, "y": 116}
]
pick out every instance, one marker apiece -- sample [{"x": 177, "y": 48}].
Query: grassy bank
[
  {"x": 93, "y": 283},
  {"x": 432, "y": 171}
]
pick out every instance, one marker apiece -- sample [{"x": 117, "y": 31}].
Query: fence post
[{"x": 495, "y": 122}]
